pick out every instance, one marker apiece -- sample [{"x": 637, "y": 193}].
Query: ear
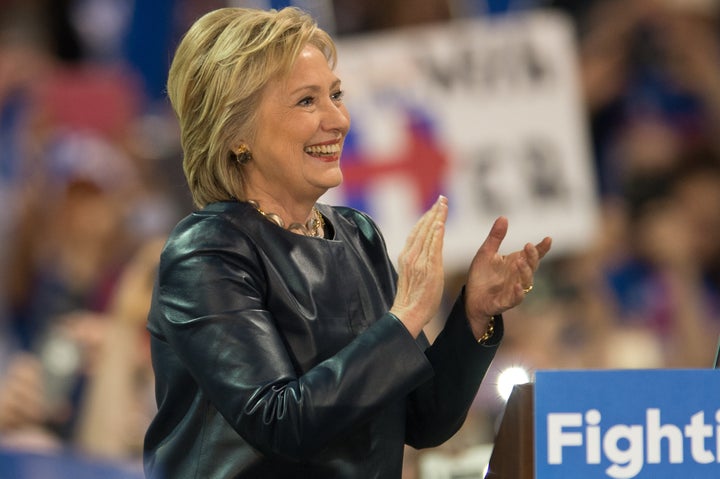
[{"x": 242, "y": 153}]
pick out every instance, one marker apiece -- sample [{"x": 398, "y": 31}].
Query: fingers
[
  {"x": 424, "y": 234},
  {"x": 419, "y": 226},
  {"x": 435, "y": 236},
  {"x": 534, "y": 253},
  {"x": 496, "y": 235},
  {"x": 527, "y": 263},
  {"x": 543, "y": 247},
  {"x": 531, "y": 253},
  {"x": 530, "y": 258},
  {"x": 418, "y": 232}
]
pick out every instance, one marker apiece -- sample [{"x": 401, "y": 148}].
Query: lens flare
[{"x": 508, "y": 378}]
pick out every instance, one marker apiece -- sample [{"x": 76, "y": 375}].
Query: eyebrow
[{"x": 316, "y": 88}]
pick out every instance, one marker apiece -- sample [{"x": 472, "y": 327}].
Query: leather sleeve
[
  {"x": 438, "y": 408},
  {"x": 212, "y": 314}
]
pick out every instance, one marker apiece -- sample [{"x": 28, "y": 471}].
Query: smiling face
[{"x": 300, "y": 130}]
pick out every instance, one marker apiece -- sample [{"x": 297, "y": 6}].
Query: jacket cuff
[{"x": 458, "y": 315}]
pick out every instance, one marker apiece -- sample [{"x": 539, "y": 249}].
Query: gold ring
[{"x": 528, "y": 289}]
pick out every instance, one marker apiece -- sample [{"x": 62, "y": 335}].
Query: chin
[
  {"x": 337, "y": 180},
  {"x": 332, "y": 178}
]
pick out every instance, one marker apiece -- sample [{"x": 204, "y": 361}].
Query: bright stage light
[{"x": 508, "y": 378}]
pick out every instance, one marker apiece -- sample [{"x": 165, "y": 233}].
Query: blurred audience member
[
  {"x": 121, "y": 375},
  {"x": 649, "y": 62},
  {"x": 69, "y": 248},
  {"x": 100, "y": 365},
  {"x": 86, "y": 198},
  {"x": 669, "y": 280}
]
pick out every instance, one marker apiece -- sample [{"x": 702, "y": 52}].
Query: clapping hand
[
  {"x": 498, "y": 282},
  {"x": 495, "y": 282},
  {"x": 420, "y": 270}
]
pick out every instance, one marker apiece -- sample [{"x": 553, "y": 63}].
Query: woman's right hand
[{"x": 420, "y": 270}]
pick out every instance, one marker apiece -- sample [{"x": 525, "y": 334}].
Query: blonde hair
[{"x": 215, "y": 84}]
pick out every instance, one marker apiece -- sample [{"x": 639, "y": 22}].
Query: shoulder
[
  {"x": 209, "y": 263},
  {"x": 210, "y": 245},
  {"x": 213, "y": 223},
  {"x": 218, "y": 229}
]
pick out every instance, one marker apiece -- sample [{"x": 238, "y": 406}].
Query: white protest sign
[{"x": 487, "y": 112}]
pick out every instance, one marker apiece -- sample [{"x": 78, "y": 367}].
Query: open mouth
[{"x": 320, "y": 151}]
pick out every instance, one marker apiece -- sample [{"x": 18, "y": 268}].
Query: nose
[{"x": 336, "y": 118}]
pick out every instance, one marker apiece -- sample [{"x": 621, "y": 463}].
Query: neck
[
  {"x": 313, "y": 225},
  {"x": 296, "y": 213},
  {"x": 292, "y": 208}
]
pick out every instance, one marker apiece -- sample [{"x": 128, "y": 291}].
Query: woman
[{"x": 297, "y": 351}]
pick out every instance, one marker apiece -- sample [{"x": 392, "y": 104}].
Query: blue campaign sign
[{"x": 627, "y": 424}]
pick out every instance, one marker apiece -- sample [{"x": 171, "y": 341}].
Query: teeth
[{"x": 323, "y": 149}]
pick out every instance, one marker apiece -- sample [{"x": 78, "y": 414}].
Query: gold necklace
[{"x": 311, "y": 228}]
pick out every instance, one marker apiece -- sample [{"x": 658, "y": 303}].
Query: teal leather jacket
[{"x": 275, "y": 354}]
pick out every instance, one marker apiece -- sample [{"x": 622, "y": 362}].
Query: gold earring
[{"x": 243, "y": 154}]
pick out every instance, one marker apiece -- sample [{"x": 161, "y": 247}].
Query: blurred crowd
[{"x": 90, "y": 182}]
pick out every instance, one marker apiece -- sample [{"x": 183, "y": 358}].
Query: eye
[
  {"x": 307, "y": 101},
  {"x": 338, "y": 96}
]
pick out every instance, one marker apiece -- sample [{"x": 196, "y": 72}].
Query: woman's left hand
[{"x": 498, "y": 282}]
